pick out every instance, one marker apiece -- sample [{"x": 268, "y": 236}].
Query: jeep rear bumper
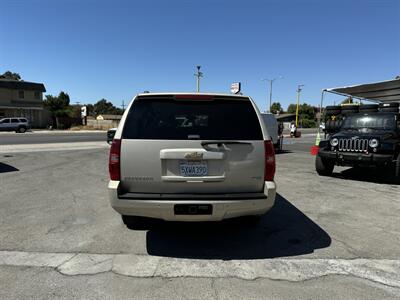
[{"x": 164, "y": 209}]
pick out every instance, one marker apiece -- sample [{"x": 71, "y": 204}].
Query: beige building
[{"x": 23, "y": 99}]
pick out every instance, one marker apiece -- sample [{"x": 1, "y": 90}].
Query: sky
[{"x": 116, "y": 49}]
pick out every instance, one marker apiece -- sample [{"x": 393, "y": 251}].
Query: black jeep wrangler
[{"x": 369, "y": 137}]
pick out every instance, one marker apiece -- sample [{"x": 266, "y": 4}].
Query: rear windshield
[{"x": 184, "y": 120}]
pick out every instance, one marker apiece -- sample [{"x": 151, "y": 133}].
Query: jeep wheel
[
  {"x": 21, "y": 129},
  {"x": 323, "y": 167}
]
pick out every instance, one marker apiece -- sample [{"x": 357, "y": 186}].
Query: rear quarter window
[{"x": 222, "y": 119}]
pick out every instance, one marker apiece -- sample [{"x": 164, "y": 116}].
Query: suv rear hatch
[{"x": 192, "y": 144}]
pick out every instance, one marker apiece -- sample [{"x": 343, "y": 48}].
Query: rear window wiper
[{"x": 219, "y": 143}]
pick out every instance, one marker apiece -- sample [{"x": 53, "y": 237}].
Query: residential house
[{"x": 23, "y": 99}]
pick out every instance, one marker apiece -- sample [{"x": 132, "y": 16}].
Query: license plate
[
  {"x": 193, "y": 168},
  {"x": 193, "y": 209}
]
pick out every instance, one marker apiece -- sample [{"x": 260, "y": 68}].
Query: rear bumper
[
  {"x": 354, "y": 158},
  {"x": 164, "y": 209}
]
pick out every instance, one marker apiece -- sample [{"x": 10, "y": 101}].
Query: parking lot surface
[{"x": 326, "y": 236}]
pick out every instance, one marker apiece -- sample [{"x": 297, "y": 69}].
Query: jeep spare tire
[
  {"x": 350, "y": 109},
  {"x": 389, "y": 107},
  {"x": 333, "y": 125},
  {"x": 368, "y": 108},
  {"x": 333, "y": 110}
]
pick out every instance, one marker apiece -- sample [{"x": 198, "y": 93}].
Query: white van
[
  {"x": 273, "y": 129},
  {"x": 191, "y": 157}
]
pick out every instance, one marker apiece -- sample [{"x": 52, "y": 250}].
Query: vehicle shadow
[
  {"x": 373, "y": 175},
  {"x": 283, "y": 231},
  {"x": 283, "y": 152},
  {"x": 4, "y": 168}
]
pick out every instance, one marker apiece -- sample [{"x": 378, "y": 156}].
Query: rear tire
[
  {"x": 135, "y": 222},
  {"x": 22, "y": 130},
  {"x": 324, "y": 167}
]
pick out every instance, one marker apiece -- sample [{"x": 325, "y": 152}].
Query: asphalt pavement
[{"x": 326, "y": 237}]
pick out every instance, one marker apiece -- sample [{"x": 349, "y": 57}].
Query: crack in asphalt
[
  {"x": 69, "y": 259},
  {"x": 350, "y": 249},
  {"x": 381, "y": 271}
]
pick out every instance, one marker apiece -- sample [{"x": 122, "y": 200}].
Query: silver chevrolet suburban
[{"x": 191, "y": 157}]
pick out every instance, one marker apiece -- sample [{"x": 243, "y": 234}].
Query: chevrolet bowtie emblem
[{"x": 194, "y": 156}]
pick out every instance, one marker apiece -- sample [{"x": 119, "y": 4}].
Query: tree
[
  {"x": 348, "y": 100},
  {"x": 306, "y": 114},
  {"x": 11, "y": 76},
  {"x": 276, "y": 108},
  {"x": 291, "y": 108},
  {"x": 105, "y": 107},
  {"x": 57, "y": 105},
  {"x": 306, "y": 111},
  {"x": 90, "y": 110}
]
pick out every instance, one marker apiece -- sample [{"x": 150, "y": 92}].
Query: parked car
[
  {"x": 14, "y": 124},
  {"x": 110, "y": 135},
  {"x": 364, "y": 139},
  {"x": 273, "y": 129},
  {"x": 191, "y": 157}
]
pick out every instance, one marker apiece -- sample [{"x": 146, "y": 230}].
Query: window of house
[
  {"x": 37, "y": 95},
  {"x": 21, "y": 94}
]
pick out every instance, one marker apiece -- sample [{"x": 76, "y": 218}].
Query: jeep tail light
[
  {"x": 269, "y": 171},
  {"x": 114, "y": 160}
]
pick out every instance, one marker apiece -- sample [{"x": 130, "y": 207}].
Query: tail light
[
  {"x": 114, "y": 160},
  {"x": 269, "y": 171}
]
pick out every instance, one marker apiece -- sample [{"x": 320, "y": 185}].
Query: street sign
[
  {"x": 83, "y": 111},
  {"x": 235, "y": 88}
]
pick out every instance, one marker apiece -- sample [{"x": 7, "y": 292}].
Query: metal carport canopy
[{"x": 383, "y": 91}]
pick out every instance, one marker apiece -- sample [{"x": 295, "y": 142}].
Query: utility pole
[
  {"x": 271, "y": 81},
  {"x": 123, "y": 105},
  {"x": 298, "y": 101},
  {"x": 198, "y": 75}
]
